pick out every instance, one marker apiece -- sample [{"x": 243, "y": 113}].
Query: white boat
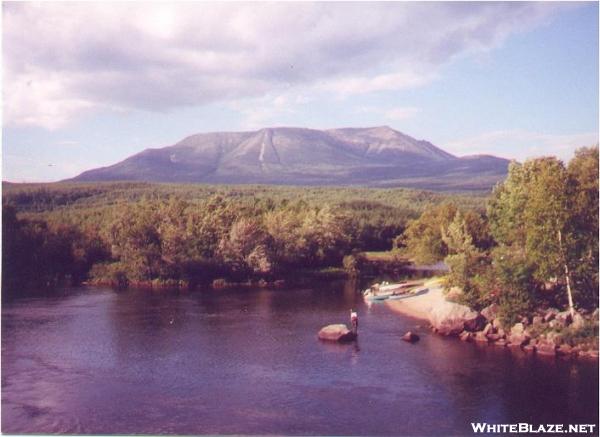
[
  {"x": 385, "y": 290},
  {"x": 409, "y": 293},
  {"x": 370, "y": 296}
]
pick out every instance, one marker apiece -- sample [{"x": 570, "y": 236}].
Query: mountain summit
[{"x": 377, "y": 156}]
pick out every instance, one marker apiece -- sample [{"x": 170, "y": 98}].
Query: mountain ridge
[{"x": 372, "y": 156}]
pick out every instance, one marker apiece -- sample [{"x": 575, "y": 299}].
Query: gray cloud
[{"x": 62, "y": 59}]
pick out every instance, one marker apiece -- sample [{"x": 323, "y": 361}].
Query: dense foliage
[
  {"x": 537, "y": 242},
  {"x": 184, "y": 234}
]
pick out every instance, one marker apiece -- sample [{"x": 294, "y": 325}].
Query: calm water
[{"x": 248, "y": 362}]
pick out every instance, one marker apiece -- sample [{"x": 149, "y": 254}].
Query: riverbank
[
  {"x": 547, "y": 332},
  {"x": 422, "y": 305}
]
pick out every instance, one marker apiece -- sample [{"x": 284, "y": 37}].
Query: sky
[{"x": 88, "y": 84}]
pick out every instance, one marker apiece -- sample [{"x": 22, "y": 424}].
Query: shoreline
[
  {"x": 421, "y": 306},
  {"x": 451, "y": 319}
]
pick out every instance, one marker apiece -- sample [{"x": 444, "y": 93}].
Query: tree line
[
  {"x": 537, "y": 241},
  {"x": 166, "y": 238}
]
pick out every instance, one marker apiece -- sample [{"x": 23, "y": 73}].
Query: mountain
[{"x": 378, "y": 156}]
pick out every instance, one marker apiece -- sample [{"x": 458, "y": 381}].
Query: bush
[{"x": 517, "y": 288}]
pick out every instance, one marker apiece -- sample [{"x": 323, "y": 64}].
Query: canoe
[
  {"x": 386, "y": 288},
  {"x": 373, "y": 297},
  {"x": 408, "y": 294}
]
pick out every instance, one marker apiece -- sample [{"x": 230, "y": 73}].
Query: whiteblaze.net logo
[{"x": 527, "y": 428}]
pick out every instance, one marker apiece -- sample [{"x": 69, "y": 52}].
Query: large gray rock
[
  {"x": 451, "y": 318},
  {"x": 339, "y": 333},
  {"x": 490, "y": 312},
  {"x": 466, "y": 336},
  {"x": 518, "y": 336},
  {"x": 410, "y": 337},
  {"x": 545, "y": 347},
  {"x": 480, "y": 337},
  {"x": 489, "y": 329},
  {"x": 475, "y": 324},
  {"x": 564, "y": 350}
]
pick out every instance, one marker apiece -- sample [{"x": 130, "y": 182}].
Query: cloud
[
  {"x": 401, "y": 113},
  {"x": 271, "y": 109},
  {"x": 382, "y": 82},
  {"x": 397, "y": 113},
  {"x": 64, "y": 59},
  {"x": 522, "y": 145}
]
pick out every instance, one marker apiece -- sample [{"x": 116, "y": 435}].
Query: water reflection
[{"x": 248, "y": 361}]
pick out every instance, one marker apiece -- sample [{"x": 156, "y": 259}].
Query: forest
[
  {"x": 535, "y": 245},
  {"x": 183, "y": 235},
  {"x": 535, "y": 237}
]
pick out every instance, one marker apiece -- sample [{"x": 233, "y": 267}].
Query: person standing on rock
[{"x": 354, "y": 321}]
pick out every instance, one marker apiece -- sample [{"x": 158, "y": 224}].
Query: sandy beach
[{"x": 421, "y": 306}]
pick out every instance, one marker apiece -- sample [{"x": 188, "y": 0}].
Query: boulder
[
  {"x": 497, "y": 324},
  {"x": 564, "y": 349},
  {"x": 538, "y": 320},
  {"x": 339, "y": 333},
  {"x": 466, "y": 336},
  {"x": 591, "y": 354},
  {"x": 554, "y": 337},
  {"x": 489, "y": 329},
  {"x": 501, "y": 342},
  {"x": 490, "y": 312},
  {"x": 475, "y": 324},
  {"x": 494, "y": 337},
  {"x": 517, "y": 329},
  {"x": 545, "y": 347},
  {"x": 518, "y": 339},
  {"x": 410, "y": 337},
  {"x": 528, "y": 347},
  {"x": 450, "y": 318},
  {"x": 480, "y": 337}
]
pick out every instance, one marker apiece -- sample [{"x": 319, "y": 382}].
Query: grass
[{"x": 388, "y": 255}]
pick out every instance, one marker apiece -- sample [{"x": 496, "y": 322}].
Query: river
[{"x": 94, "y": 360}]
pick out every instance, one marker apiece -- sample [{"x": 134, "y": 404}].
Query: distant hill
[{"x": 378, "y": 157}]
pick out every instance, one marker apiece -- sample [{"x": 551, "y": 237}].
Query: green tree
[
  {"x": 246, "y": 247},
  {"x": 423, "y": 237},
  {"x": 466, "y": 262},
  {"x": 533, "y": 213},
  {"x": 583, "y": 172}
]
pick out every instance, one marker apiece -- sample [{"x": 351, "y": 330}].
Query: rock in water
[
  {"x": 450, "y": 318},
  {"x": 518, "y": 336},
  {"x": 339, "y": 333},
  {"x": 466, "y": 336},
  {"x": 410, "y": 337},
  {"x": 545, "y": 347}
]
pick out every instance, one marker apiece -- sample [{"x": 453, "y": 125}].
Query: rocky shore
[{"x": 547, "y": 332}]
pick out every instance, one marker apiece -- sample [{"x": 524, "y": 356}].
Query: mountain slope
[{"x": 378, "y": 156}]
